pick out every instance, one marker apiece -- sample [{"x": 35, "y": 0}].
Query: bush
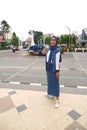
[
  {"x": 3, "y": 44},
  {"x": 71, "y": 49}
]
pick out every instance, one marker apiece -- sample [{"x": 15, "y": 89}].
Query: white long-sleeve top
[{"x": 57, "y": 59}]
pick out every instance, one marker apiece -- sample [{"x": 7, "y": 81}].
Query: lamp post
[{"x": 69, "y": 35}]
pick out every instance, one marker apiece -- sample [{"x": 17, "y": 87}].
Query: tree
[
  {"x": 73, "y": 39},
  {"x": 5, "y": 28},
  {"x": 38, "y": 36},
  {"x": 15, "y": 40},
  {"x": 47, "y": 40},
  {"x": 68, "y": 40}
]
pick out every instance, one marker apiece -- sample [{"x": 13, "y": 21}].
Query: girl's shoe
[
  {"x": 56, "y": 104},
  {"x": 51, "y": 97}
]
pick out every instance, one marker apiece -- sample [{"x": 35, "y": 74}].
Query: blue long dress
[{"x": 53, "y": 82}]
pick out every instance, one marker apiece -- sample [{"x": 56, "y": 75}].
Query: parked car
[{"x": 38, "y": 49}]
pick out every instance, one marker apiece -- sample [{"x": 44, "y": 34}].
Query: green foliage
[
  {"x": 47, "y": 40},
  {"x": 38, "y": 36},
  {"x": 69, "y": 40},
  {"x": 3, "y": 44},
  {"x": 5, "y": 26},
  {"x": 73, "y": 39},
  {"x": 15, "y": 40}
]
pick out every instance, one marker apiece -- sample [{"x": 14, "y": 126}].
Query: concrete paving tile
[
  {"x": 6, "y": 104},
  {"x": 20, "y": 97},
  {"x": 83, "y": 120},
  {"x": 21, "y": 108},
  {"x": 42, "y": 114},
  {"x": 3, "y": 93},
  {"x": 73, "y": 114},
  {"x": 60, "y": 124},
  {"x": 29, "y": 98},
  {"x": 75, "y": 126},
  {"x": 12, "y": 92},
  {"x": 72, "y": 99},
  {"x": 11, "y": 120},
  {"x": 82, "y": 108}
]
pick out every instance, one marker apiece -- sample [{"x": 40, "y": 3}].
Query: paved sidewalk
[{"x": 33, "y": 110}]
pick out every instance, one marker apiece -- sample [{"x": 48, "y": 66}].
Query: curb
[{"x": 38, "y": 84}]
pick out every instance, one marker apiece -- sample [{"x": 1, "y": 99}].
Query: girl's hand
[{"x": 57, "y": 75}]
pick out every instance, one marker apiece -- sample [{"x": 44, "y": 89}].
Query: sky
[{"x": 48, "y": 16}]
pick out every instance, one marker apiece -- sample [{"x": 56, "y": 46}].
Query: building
[
  {"x": 27, "y": 42},
  {"x": 8, "y": 36},
  {"x": 1, "y": 36}
]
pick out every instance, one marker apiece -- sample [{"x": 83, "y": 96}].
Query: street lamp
[{"x": 69, "y": 35}]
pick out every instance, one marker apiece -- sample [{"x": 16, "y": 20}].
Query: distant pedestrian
[
  {"x": 53, "y": 59},
  {"x": 13, "y": 49}
]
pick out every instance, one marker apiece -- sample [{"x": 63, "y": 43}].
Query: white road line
[
  {"x": 83, "y": 87},
  {"x": 35, "y": 84},
  {"x": 42, "y": 68},
  {"x": 39, "y": 84},
  {"x": 13, "y": 67},
  {"x": 81, "y": 68},
  {"x": 14, "y": 82},
  {"x": 19, "y": 71},
  {"x": 62, "y": 86}
]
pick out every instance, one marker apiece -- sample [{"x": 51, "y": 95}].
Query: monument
[{"x": 31, "y": 32}]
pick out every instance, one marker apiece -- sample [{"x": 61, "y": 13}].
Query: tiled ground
[{"x": 32, "y": 110}]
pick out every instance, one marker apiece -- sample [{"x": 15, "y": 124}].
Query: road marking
[
  {"x": 20, "y": 71},
  {"x": 73, "y": 77},
  {"x": 42, "y": 68},
  {"x": 39, "y": 68},
  {"x": 62, "y": 86},
  {"x": 35, "y": 84},
  {"x": 15, "y": 83},
  {"x": 42, "y": 76},
  {"x": 39, "y": 84},
  {"x": 13, "y": 67},
  {"x": 81, "y": 68},
  {"x": 82, "y": 87}
]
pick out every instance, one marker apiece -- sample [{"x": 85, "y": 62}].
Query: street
[{"x": 26, "y": 69}]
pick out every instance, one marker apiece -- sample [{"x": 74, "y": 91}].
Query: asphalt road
[{"x": 21, "y": 67}]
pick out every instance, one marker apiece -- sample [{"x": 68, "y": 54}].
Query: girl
[{"x": 53, "y": 57}]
